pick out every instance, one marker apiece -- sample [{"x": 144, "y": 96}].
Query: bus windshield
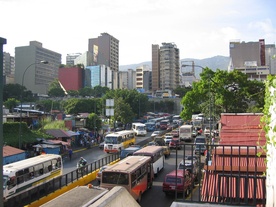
[
  {"x": 5, "y": 180},
  {"x": 115, "y": 178},
  {"x": 111, "y": 140}
]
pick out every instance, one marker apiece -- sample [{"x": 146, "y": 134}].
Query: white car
[
  {"x": 168, "y": 139},
  {"x": 155, "y": 133}
]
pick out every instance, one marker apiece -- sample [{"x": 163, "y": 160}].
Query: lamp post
[
  {"x": 210, "y": 106},
  {"x": 21, "y": 98}
]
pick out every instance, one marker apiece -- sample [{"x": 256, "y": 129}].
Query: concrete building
[
  {"x": 71, "y": 78},
  {"x": 8, "y": 68},
  {"x": 169, "y": 66},
  {"x": 143, "y": 78},
  {"x": 155, "y": 67},
  {"x": 165, "y": 67},
  {"x": 36, "y": 76},
  {"x": 127, "y": 79},
  {"x": 105, "y": 50},
  {"x": 85, "y": 59},
  {"x": 71, "y": 57},
  {"x": 252, "y": 58},
  {"x": 99, "y": 75}
]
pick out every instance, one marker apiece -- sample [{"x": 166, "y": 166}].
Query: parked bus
[
  {"x": 186, "y": 132},
  {"x": 22, "y": 176},
  {"x": 135, "y": 173},
  {"x": 117, "y": 141},
  {"x": 139, "y": 129},
  {"x": 156, "y": 154}
]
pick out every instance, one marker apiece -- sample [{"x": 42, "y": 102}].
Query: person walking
[{"x": 70, "y": 152}]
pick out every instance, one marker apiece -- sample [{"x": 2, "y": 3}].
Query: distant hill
[{"x": 214, "y": 63}]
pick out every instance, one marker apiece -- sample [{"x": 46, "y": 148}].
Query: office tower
[
  {"x": 250, "y": 58},
  {"x": 71, "y": 57},
  {"x": 99, "y": 75},
  {"x": 155, "y": 67},
  {"x": 85, "y": 59},
  {"x": 105, "y": 50},
  {"x": 8, "y": 68}
]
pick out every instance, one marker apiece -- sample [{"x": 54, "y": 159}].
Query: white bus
[
  {"x": 139, "y": 129},
  {"x": 156, "y": 154},
  {"x": 186, "y": 132},
  {"x": 22, "y": 176},
  {"x": 117, "y": 141}
]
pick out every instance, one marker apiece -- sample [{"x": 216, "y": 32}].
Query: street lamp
[
  {"x": 21, "y": 98},
  {"x": 209, "y": 86}
]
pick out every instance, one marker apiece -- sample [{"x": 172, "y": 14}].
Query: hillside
[{"x": 214, "y": 63}]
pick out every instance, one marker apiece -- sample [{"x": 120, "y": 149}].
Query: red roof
[
  {"x": 58, "y": 133},
  {"x": 219, "y": 187},
  {"x": 242, "y": 129},
  {"x": 9, "y": 151}
]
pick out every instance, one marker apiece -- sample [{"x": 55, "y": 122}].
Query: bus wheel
[{"x": 139, "y": 198}]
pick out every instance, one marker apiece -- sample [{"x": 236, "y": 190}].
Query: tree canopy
[{"x": 223, "y": 91}]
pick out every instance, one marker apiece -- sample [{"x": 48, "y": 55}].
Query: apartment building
[
  {"x": 30, "y": 72},
  {"x": 165, "y": 67},
  {"x": 143, "y": 78},
  {"x": 252, "y": 58},
  {"x": 8, "y": 68},
  {"x": 105, "y": 50}
]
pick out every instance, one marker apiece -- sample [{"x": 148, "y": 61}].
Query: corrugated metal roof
[
  {"x": 58, "y": 133},
  {"x": 221, "y": 187},
  {"x": 9, "y": 151}
]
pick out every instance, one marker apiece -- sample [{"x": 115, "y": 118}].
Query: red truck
[{"x": 180, "y": 181}]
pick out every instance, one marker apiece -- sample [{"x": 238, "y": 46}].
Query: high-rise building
[
  {"x": 8, "y": 68},
  {"x": 99, "y": 75},
  {"x": 105, "y": 50},
  {"x": 143, "y": 78},
  {"x": 71, "y": 57},
  {"x": 86, "y": 59},
  {"x": 252, "y": 58},
  {"x": 155, "y": 67},
  {"x": 169, "y": 66},
  {"x": 30, "y": 72}
]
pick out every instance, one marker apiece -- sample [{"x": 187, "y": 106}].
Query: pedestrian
[
  {"x": 213, "y": 140},
  {"x": 70, "y": 152}
]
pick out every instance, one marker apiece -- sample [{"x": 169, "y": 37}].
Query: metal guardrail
[
  {"x": 57, "y": 183},
  {"x": 229, "y": 175}
]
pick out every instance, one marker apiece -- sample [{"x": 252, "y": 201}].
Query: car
[
  {"x": 155, "y": 133},
  {"x": 99, "y": 174},
  {"x": 175, "y": 133},
  {"x": 129, "y": 151},
  {"x": 194, "y": 133},
  {"x": 175, "y": 143},
  {"x": 153, "y": 143},
  {"x": 101, "y": 145},
  {"x": 199, "y": 149},
  {"x": 207, "y": 132},
  {"x": 200, "y": 139},
  {"x": 167, "y": 139},
  {"x": 178, "y": 180},
  {"x": 190, "y": 163},
  {"x": 169, "y": 128}
]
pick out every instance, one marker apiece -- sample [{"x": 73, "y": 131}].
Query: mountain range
[{"x": 214, "y": 63}]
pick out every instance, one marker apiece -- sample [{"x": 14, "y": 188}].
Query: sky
[{"x": 199, "y": 28}]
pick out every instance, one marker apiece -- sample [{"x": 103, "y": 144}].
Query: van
[
  {"x": 128, "y": 151},
  {"x": 200, "y": 139},
  {"x": 180, "y": 181}
]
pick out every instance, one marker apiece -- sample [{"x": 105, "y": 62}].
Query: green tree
[
  {"x": 55, "y": 89},
  {"x": 182, "y": 91},
  {"x": 86, "y": 91},
  {"x": 11, "y": 103},
  {"x": 93, "y": 122},
  {"x": 222, "y": 91},
  {"x": 73, "y": 93},
  {"x": 18, "y": 92},
  {"x": 123, "y": 112}
]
